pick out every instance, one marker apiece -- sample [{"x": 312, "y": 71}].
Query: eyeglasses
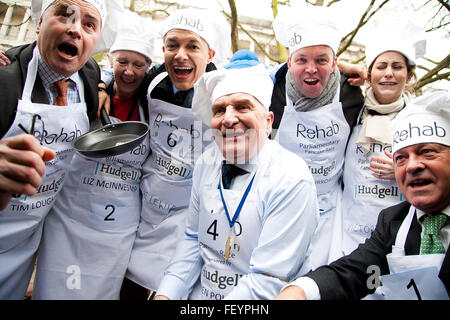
[{"x": 37, "y": 128}]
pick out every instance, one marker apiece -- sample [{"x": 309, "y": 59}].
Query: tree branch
[
  {"x": 234, "y": 33},
  {"x": 433, "y": 75},
  {"x": 351, "y": 35},
  {"x": 282, "y": 51},
  {"x": 445, "y": 4},
  {"x": 254, "y": 40},
  {"x": 332, "y": 2},
  {"x": 421, "y": 83},
  {"x": 443, "y": 64}
]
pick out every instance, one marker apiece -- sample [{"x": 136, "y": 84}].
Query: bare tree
[
  {"x": 282, "y": 51},
  {"x": 234, "y": 23},
  {"x": 233, "y": 17},
  {"x": 440, "y": 71}
]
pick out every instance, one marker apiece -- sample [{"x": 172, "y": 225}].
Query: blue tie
[{"x": 229, "y": 171}]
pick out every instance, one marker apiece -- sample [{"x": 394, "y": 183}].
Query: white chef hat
[
  {"x": 212, "y": 85},
  {"x": 210, "y": 25},
  {"x": 135, "y": 34},
  {"x": 402, "y": 36},
  {"x": 310, "y": 26},
  {"x": 109, "y": 10},
  {"x": 424, "y": 120}
]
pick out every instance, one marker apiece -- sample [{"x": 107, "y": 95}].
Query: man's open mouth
[
  {"x": 68, "y": 49},
  {"x": 182, "y": 71},
  {"x": 311, "y": 81}
]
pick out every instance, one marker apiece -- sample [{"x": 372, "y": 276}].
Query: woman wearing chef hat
[
  {"x": 68, "y": 33},
  {"x": 315, "y": 108},
  {"x": 89, "y": 234},
  {"x": 194, "y": 41},
  {"x": 369, "y": 182}
]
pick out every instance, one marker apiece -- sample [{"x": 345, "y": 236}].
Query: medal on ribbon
[{"x": 232, "y": 221}]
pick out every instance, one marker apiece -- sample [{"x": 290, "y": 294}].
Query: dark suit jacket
[
  {"x": 346, "y": 278},
  {"x": 12, "y": 81}
]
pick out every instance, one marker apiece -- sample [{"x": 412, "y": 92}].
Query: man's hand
[
  {"x": 103, "y": 99},
  {"x": 22, "y": 164},
  {"x": 357, "y": 75},
  {"x": 291, "y": 293},
  {"x": 4, "y": 61},
  {"x": 159, "y": 297}
]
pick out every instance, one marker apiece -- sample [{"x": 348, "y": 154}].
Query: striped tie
[
  {"x": 430, "y": 241},
  {"x": 61, "y": 88}
]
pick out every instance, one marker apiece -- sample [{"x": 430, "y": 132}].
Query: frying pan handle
[{"x": 104, "y": 117}]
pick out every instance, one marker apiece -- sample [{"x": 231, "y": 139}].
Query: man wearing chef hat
[
  {"x": 48, "y": 91},
  {"x": 194, "y": 42},
  {"x": 244, "y": 236},
  {"x": 411, "y": 239},
  {"x": 109, "y": 189},
  {"x": 315, "y": 108}
]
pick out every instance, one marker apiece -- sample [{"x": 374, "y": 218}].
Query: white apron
[
  {"x": 319, "y": 137},
  {"x": 399, "y": 262},
  {"x": 364, "y": 195},
  {"x": 22, "y": 220},
  {"x": 89, "y": 234},
  {"x": 220, "y": 276},
  {"x": 176, "y": 141}
]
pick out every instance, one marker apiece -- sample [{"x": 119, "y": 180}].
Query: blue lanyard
[{"x": 241, "y": 203}]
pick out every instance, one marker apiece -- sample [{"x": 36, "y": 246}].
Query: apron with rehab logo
[
  {"x": 176, "y": 140},
  {"x": 90, "y": 232},
  {"x": 21, "y": 222},
  {"x": 364, "y": 196},
  {"x": 319, "y": 137}
]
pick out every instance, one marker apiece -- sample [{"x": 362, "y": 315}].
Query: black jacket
[
  {"x": 346, "y": 278},
  {"x": 12, "y": 81}
]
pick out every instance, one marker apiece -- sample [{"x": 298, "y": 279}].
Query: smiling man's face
[
  {"x": 422, "y": 173},
  {"x": 67, "y": 35},
  {"x": 186, "y": 56},
  {"x": 311, "y": 68},
  {"x": 241, "y": 126}
]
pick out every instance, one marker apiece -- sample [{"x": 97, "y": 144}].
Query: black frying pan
[{"x": 111, "y": 139}]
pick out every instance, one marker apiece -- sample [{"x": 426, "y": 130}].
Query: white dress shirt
[{"x": 280, "y": 224}]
